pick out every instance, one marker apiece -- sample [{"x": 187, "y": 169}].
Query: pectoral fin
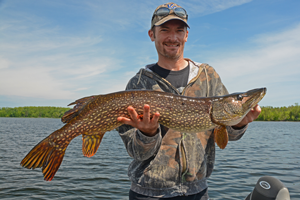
[
  {"x": 221, "y": 136},
  {"x": 90, "y": 144}
]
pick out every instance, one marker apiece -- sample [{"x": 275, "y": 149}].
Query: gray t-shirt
[{"x": 179, "y": 79}]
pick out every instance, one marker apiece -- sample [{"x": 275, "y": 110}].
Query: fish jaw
[
  {"x": 252, "y": 97},
  {"x": 229, "y": 110}
]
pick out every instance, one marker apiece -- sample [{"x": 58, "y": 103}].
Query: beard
[{"x": 169, "y": 54}]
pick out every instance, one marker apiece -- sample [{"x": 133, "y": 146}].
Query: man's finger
[
  {"x": 146, "y": 115},
  {"x": 155, "y": 118},
  {"x": 256, "y": 112},
  {"x": 125, "y": 120},
  {"x": 133, "y": 114}
]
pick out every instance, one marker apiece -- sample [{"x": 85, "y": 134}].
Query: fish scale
[{"x": 92, "y": 116}]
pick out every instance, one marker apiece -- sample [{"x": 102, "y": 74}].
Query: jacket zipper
[{"x": 183, "y": 134}]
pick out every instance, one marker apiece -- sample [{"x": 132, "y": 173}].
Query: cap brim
[{"x": 168, "y": 18}]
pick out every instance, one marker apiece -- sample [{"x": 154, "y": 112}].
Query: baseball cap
[
  {"x": 269, "y": 188},
  {"x": 167, "y": 12}
]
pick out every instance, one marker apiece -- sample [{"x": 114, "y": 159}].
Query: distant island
[
  {"x": 33, "y": 112},
  {"x": 268, "y": 113}
]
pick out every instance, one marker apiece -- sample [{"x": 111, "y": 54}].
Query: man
[{"x": 167, "y": 163}]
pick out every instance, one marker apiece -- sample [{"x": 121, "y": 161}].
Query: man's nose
[{"x": 172, "y": 36}]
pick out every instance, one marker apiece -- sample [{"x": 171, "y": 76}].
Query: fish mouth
[
  {"x": 252, "y": 97},
  {"x": 261, "y": 91}
]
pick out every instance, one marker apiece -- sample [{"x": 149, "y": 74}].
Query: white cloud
[
  {"x": 4, "y": 63},
  {"x": 205, "y": 7},
  {"x": 31, "y": 82},
  {"x": 51, "y": 78},
  {"x": 268, "y": 52},
  {"x": 41, "y": 61},
  {"x": 42, "y": 57},
  {"x": 135, "y": 13},
  {"x": 270, "y": 60}
]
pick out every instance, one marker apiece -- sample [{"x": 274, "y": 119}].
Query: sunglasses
[{"x": 163, "y": 12}]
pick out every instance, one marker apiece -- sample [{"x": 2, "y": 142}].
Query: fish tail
[
  {"x": 46, "y": 155},
  {"x": 52, "y": 164}
]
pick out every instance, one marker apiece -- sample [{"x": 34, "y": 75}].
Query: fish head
[{"x": 230, "y": 109}]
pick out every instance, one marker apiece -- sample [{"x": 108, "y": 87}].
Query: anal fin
[
  {"x": 90, "y": 144},
  {"x": 221, "y": 136}
]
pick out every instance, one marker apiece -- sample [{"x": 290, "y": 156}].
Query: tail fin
[{"x": 46, "y": 156}]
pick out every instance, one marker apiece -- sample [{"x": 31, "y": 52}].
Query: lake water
[{"x": 267, "y": 148}]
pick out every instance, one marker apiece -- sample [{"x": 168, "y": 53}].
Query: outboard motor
[{"x": 269, "y": 188}]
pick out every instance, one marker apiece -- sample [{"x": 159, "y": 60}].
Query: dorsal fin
[{"x": 80, "y": 104}]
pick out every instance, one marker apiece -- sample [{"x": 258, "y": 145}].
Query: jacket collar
[{"x": 195, "y": 69}]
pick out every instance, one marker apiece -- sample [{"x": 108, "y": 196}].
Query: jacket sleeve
[
  {"x": 235, "y": 134},
  {"x": 217, "y": 88},
  {"x": 138, "y": 145}
]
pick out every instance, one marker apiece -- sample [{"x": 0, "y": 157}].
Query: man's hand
[
  {"x": 250, "y": 117},
  {"x": 146, "y": 125}
]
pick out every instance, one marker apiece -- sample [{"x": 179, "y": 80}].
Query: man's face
[{"x": 170, "y": 38}]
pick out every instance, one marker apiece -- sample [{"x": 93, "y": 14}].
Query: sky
[{"x": 54, "y": 52}]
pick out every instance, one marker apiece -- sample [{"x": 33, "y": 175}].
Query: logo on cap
[
  {"x": 265, "y": 185},
  {"x": 172, "y": 6}
]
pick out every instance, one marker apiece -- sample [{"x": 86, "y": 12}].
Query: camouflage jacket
[{"x": 172, "y": 163}]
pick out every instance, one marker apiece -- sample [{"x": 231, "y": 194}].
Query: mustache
[{"x": 172, "y": 42}]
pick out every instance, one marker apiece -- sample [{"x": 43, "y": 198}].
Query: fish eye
[{"x": 239, "y": 97}]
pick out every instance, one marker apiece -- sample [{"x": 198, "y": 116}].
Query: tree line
[
  {"x": 33, "y": 111},
  {"x": 268, "y": 113},
  {"x": 290, "y": 113}
]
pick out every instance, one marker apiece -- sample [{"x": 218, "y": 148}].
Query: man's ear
[
  {"x": 151, "y": 35},
  {"x": 186, "y": 36}
]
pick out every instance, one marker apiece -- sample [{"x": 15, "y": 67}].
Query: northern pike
[{"x": 92, "y": 116}]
